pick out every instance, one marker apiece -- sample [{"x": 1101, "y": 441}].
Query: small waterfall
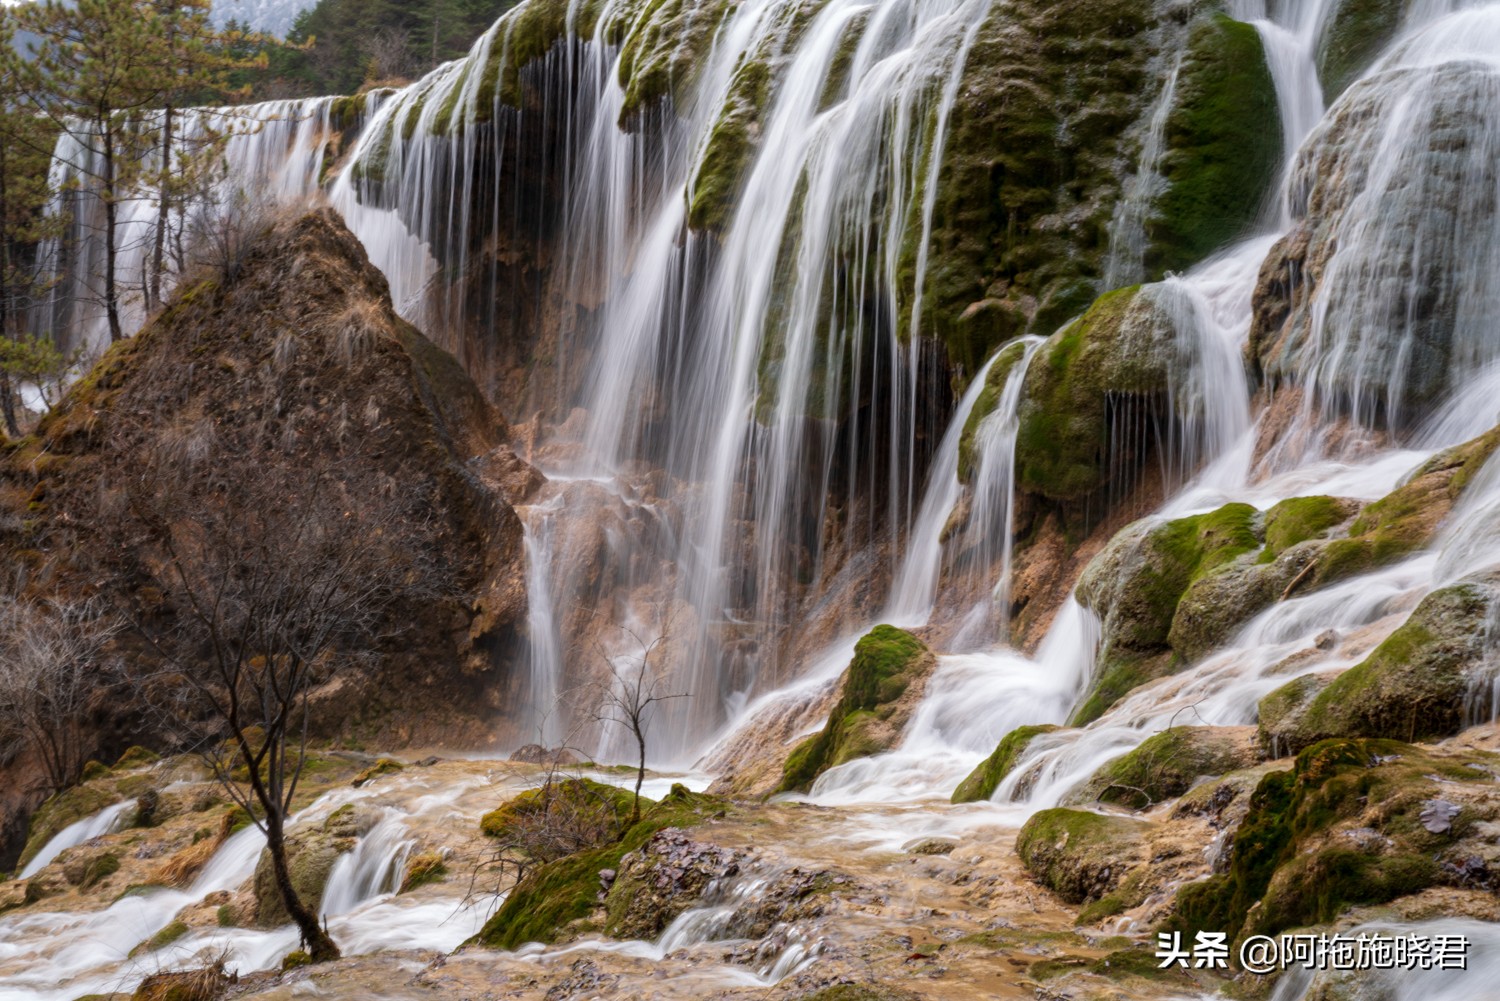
[
  {"x": 1126, "y": 262},
  {"x": 542, "y": 721},
  {"x": 106, "y": 821},
  {"x": 988, "y": 536},
  {"x": 915, "y": 588},
  {"x": 374, "y": 867}
]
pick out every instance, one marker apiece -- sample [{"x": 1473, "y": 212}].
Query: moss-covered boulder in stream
[
  {"x": 1115, "y": 361},
  {"x": 1345, "y": 827},
  {"x": 1081, "y": 856},
  {"x": 1413, "y": 686},
  {"x": 591, "y": 810},
  {"x": 564, "y": 897},
  {"x": 1168, "y": 764},
  {"x": 1223, "y": 145},
  {"x": 986, "y": 778},
  {"x": 882, "y": 686},
  {"x": 1135, "y": 584}
]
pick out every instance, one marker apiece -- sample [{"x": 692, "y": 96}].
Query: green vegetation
[
  {"x": 984, "y": 780},
  {"x": 886, "y": 661},
  {"x": 1224, "y": 145},
  {"x": 584, "y": 802},
  {"x": 1356, "y": 33},
  {"x": 731, "y": 146},
  {"x": 559, "y": 897},
  {"x": 1167, "y": 764},
  {"x": 423, "y": 868},
  {"x": 1285, "y": 871},
  {"x": 1411, "y": 687},
  {"x": 1136, "y": 585},
  {"x": 1124, "y": 347},
  {"x": 171, "y": 933},
  {"x": 385, "y": 766},
  {"x": 1081, "y": 856}
]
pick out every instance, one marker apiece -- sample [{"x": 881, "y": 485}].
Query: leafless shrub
[
  {"x": 358, "y": 330},
  {"x": 53, "y": 665}
]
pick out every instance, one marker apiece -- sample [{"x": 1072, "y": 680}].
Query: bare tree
[
  {"x": 389, "y": 52},
  {"x": 52, "y": 666},
  {"x": 626, "y": 696},
  {"x": 274, "y": 577}
]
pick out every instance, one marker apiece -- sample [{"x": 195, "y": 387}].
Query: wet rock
[
  {"x": 1169, "y": 763},
  {"x": 385, "y": 766},
  {"x": 1136, "y": 584},
  {"x": 796, "y": 894},
  {"x": 536, "y": 754},
  {"x": 1412, "y": 686},
  {"x": 87, "y": 868},
  {"x": 1081, "y": 856},
  {"x": 986, "y": 778},
  {"x": 882, "y": 687},
  {"x": 930, "y": 846},
  {"x": 666, "y": 876},
  {"x": 1437, "y": 815},
  {"x": 1361, "y": 309}
]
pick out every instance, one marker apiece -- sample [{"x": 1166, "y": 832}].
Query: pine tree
[
  {"x": 197, "y": 66},
  {"x": 26, "y": 142},
  {"x": 95, "y": 71}
]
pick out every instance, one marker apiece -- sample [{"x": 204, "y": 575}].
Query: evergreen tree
[
  {"x": 26, "y": 142},
  {"x": 94, "y": 72}
]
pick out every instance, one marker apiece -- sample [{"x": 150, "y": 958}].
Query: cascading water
[{"x": 105, "y": 821}]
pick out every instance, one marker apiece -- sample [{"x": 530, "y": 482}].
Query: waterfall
[
  {"x": 374, "y": 867},
  {"x": 106, "y": 821}
]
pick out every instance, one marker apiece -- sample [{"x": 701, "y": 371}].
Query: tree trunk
[
  {"x": 319, "y": 946},
  {"x": 163, "y": 214},
  {"x": 640, "y": 778},
  {"x": 7, "y": 394},
  {"x": 111, "y": 219}
]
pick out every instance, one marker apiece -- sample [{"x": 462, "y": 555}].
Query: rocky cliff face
[{"x": 289, "y": 354}]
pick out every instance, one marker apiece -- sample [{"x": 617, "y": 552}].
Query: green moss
[
  {"x": 665, "y": 49},
  {"x": 423, "y": 868},
  {"x": 985, "y": 779},
  {"x": 731, "y": 147},
  {"x": 385, "y": 766},
  {"x": 1030, "y": 173},
  {"x": 166, "y": 936},
  {"x": 94, "y": 770},
  {"x": 136, "y": 757},
  {"x": 1166, "y": 765},
  {"x": 886, "y": 660},
  {"x": 1285, "y": 872},
  {"x": 1354, "y": 36},
  {"x": 1137, "y": 584},
  {"x": 1081, "y": 856},
  {"x": 1299, "y": 519},
  {"x": 99, "y": 868},
  {"x": 60, "y": 811},
  {"x": 1224, "y": 145},
  {"x": 594, "y": 804},
  {"x": 559, "y": 897},
  {"x": 1411, "y": 687},
  {"x": 294, "y": 959}
]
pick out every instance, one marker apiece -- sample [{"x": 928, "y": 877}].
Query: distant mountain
[{"x": 274, "y": 17}]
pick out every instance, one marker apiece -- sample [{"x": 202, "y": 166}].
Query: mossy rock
[
  {"x": 1223, "y": 145},
  {"x": 1136, "y": 584},
  {"x": 384, "y": 766},
  {"x": 1288, "y": 868},
  {"x": 560, "y": 898},
  {"x": 985, "y": 779},
  {"x": 1215, "y": 607},
  {"x": 1119, "y": 355},
  {"x": 166, "y": 936},
  {"x": 423, "y": 868},
  {"x": 887, "y": 662},
  {"x": 62, "y": 810},
  {"x": 136, "y": 757},
  {"x": 1354, "y": 35},
  {"x": 664, "y": 52},
  {"x": 588, "y": 803},
  {"x": 1407, "y": 519},
  {"x": 1081, "y": 856},
  {"x": 1169, "y": 763},
  {"x": 1413, "y": 686},
  {"x": 731, "y": 147},
  {"x": 87, "y": 870},
  {"x": 1020, "y": 226}
]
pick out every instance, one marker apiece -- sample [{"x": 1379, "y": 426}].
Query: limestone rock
[
  {"x": 666, "y": 876},
  {"x": 1081, "y": 856}
]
